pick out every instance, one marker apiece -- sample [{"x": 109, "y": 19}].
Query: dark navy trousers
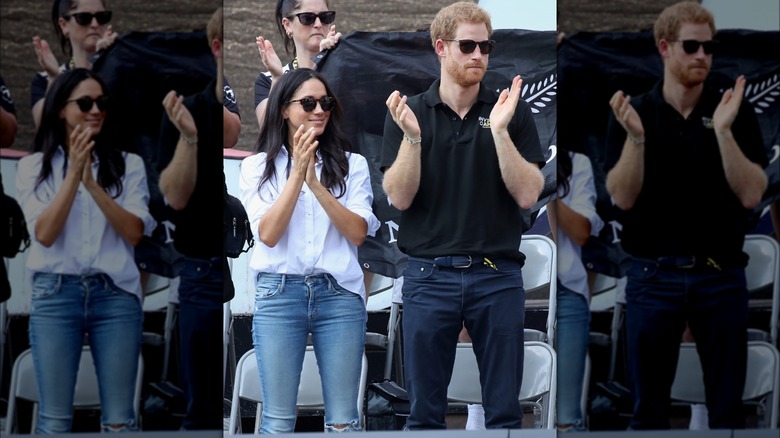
[
  {"x": 714, "y": 303},
  {"x": 437, "y": 301}
]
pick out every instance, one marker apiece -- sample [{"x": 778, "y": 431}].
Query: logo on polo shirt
[
  {"x": 708, "y": 122},
  {"x": 484, "y": 122}
]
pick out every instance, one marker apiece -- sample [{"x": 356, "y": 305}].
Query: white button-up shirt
[
  {"x": 311, "y": 244},
  {"x": 582, "y": 199},
  {"x": 88, "y": 244}
]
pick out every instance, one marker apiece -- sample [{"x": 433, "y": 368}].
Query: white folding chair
[
  {"x": 247, "y": 387},
  {"x": 86, "y": 396},
  {"x": 540, "y": 270},
  {"x": 539, "y": 378},
  {"x": 763, "y": 271},
  {"x": 762, "y": 386}
]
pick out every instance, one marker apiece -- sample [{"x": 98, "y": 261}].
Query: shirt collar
[{"x": 432, "y": 97}]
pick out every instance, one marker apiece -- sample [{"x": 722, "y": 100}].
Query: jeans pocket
[
  {"x": 267, "y": 287},
  {"x": 114, "y": 289},
  {"x": 642, "y": 270},
  {"x": 45, "y": 285},
  {"x": 418, "y": 271}
]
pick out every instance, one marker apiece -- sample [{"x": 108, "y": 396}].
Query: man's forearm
[
  {"x": 524, "y": 180},
  {"x": 402, "y": 179},
  {"x": 177, "y": 181}
]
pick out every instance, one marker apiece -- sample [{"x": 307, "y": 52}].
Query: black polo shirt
[
  {"x": 462, "y": 206},
  {"x": 686, "y": 206},
  {"x": 199, "y": 225}
]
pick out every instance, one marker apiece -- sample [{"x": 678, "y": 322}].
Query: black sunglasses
[
  {"x": 692, "y": 46},
  {"x": 309, "y": 103},
  {"x": 85, "y": 18},
  {"x": 85, "y": 103},
  {"x": 307, "y": 18},
  {"x": 468, "y": 46}
]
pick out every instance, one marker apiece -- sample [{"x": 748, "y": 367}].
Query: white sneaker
[
  {"x": 476, "y": 418},
  {"x": 699, "y": 417}
]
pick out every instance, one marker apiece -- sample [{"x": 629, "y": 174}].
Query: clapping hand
[
  {"x": 269, "y": 57},
  {"x": 729, "y": 105},
  {"x": 107, "y": 40},
  {"x": 504, "y": 109},
  {"x": 179, "y": 115},
  {"x": 627, "y": 116},
  {"x": 80, "y": 153},
  {"x": 402, "y": 115},
  {"x": 46, "y": 58},
  {"x": 331, "y": 40},
  {"x": 304, "y": 148}
]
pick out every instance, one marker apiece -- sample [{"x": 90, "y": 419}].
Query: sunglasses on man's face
[
  {"x": 468, "y": 46},
  {"x": 85, "y": 18},
  {"x": 309, "y": 103},
  {"x": 308, "y": 18},
  {"x": 86, "y": 103},
  {"x": 692, "y": 46}
]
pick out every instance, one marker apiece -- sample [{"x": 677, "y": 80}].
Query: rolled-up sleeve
[
  {"x": 32, "y": 203},
  {"x": 359, "y": 193},
  {"x": 137, "y": 196},
  {"x": 251, "y": 170},
  {"x": 583, "y": 196}
]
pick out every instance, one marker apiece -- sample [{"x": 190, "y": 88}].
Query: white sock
[
  {"x": 699, "y": 417},
  {"x": 476, "y": 418}
]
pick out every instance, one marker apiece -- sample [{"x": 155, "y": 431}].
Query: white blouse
[
  {"x": 311, "y": 244},
  {"x": 582, "y": 199},
  {"x": 88, "y": 244}
]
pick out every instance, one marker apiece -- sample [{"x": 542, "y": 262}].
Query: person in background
[
  {"x": 308, "y": 198},
  {"x": 573, "y": 219},
  {"x": 192, "y": 181},
  {"x": 8, "y": 127},
  {"x": 459, "y": 161},
  {"x": 86, "y": 205},
  {"x": 688, "y": 266},
  {"x": 303, "y": 24},
  {"x": 83, "y": 29}
]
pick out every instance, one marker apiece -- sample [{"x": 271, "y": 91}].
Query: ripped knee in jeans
[
  {"x": 118, "y": 427},
  {"x": 343, "y": 427}
]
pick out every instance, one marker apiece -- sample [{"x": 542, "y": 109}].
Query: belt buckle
[
  {"x": 464, "y": 266},
  {"x": 691, "y": 263}
]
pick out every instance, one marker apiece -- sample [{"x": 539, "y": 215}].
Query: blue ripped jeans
[
  {"x": 571, "y": 338},
  {"x": 287, "y": 309},
  {"x": 64, "y": 309}
]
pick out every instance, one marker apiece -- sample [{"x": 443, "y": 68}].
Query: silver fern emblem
[
  {"x": 763, "y": 94},
  {"x": 541, "y": 93}
]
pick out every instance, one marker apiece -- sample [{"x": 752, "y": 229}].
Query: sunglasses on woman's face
[
  {"x": 308, "y": 18},
  {"x": 85, "y": 18},
  {"x": 86, "y": 103},
  {"x": 692, "y": 46},
  {"x": 468, "y": 46},
  {"x": 309, "y": 103}
]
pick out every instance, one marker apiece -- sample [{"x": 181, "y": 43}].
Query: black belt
[
  {"x": 687, "y": 262},
  {"x": 457, "y": 262}
]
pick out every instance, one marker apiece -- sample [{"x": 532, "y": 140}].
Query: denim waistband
[
  {"x": 73, "y": 278},
  {"x": 297, "y": 278}
]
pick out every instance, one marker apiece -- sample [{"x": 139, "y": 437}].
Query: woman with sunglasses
[
  {"x": 83, "y": 29},
  {"x": 303, "y": 25},
  {"x": 86, "y": 207},
  {"x": 309, "y": 201}
]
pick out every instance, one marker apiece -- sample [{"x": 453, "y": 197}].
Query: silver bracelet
[
  {"x": 413, "y": 141},
  {"x": 189, "y": 140},
  {"x": 636, "y": 141}
]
